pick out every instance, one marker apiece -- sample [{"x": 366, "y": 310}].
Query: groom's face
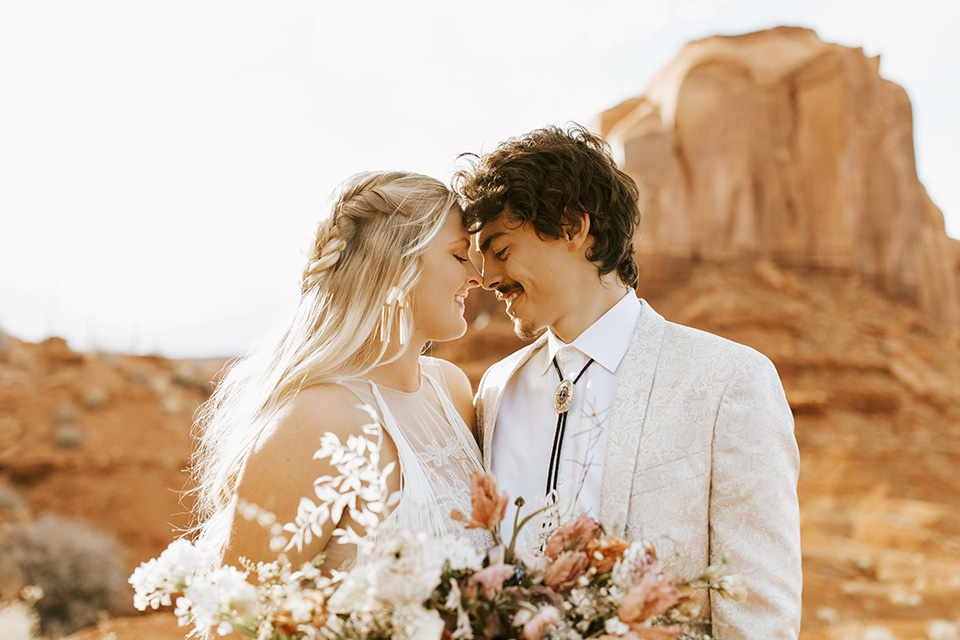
[{"x": 526, "y": 271}]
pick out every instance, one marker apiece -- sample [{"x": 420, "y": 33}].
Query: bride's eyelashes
[{"x": 460, "y": 259}]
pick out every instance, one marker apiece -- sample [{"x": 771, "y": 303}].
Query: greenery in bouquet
[{"x": 578, "y": 583}]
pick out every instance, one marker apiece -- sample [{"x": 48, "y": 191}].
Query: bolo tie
[{"x": 562, "y": 399}]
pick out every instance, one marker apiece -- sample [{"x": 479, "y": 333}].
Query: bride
[{"x": 388, "y": 273}]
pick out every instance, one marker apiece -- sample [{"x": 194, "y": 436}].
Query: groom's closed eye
[{"x": 485, "y": 245}]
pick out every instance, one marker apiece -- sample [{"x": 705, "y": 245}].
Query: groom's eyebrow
[{"x": 485, "y": 246}]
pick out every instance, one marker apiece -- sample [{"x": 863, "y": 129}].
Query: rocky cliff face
[{"x": 779, "y": 145}]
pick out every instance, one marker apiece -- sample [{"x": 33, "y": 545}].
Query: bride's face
[{"x": 447, "y": 277}]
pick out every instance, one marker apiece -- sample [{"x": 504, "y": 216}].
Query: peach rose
[
  {"x": 488, "y": 505},
  {"x": 574, "y": 535},
  {"x": 638, "y": 632},
  {"x": 564, "y": 572},
  {"x": 605, "y": 551},
  {"x": 648, "y": 598},
  {"x": 658, "y": 633},
  {"x": 492, "y": 578},
  {"x": 534, "y": 627}
]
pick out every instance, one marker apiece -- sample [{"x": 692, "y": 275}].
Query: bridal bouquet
[{"x": 583, "y": 584}]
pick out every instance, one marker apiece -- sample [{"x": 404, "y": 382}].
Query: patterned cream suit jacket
[{"x": 701, "y": 460}]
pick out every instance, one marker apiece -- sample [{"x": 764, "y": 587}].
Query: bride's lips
[{"x": 461, "y": 300}]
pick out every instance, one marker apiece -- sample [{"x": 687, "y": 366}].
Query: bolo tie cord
[{"x": 553, "y": 473}]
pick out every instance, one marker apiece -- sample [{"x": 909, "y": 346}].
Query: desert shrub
[
  {"x": 10, "y": 500},
  {"x": 69, "y": 436},
  {"x": 95, "y": 398},
  {"x": 65, "y": 413},
  {"x": 79, "y": 570}
]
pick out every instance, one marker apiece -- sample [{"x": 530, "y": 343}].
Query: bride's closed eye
[{"x": 460, "y": 258}]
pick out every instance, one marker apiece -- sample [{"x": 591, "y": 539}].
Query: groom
[{"x": 661, "y": 432}]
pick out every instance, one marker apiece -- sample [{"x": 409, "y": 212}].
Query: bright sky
[{"x": 162, "y": 164}]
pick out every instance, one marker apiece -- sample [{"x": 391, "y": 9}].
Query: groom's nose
[
  {"x": 489, "y": 280},
  {"x": 474, "y": 279}
]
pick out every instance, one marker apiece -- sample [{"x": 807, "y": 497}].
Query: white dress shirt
[{"x": 527, "y": 421}]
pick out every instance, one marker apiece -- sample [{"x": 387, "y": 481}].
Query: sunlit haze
[{"x": 163, "y": 163}]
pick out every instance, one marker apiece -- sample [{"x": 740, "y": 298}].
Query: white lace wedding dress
[{"x": 436, "y": 450}]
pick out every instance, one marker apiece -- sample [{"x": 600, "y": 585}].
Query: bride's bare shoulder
[
  {"x": 282, "y": 469},
  {"x": 314, "y": 411}
]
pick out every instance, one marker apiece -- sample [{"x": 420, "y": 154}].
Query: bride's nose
[{"x": 473, "y": 275}]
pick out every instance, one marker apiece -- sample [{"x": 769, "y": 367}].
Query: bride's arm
[{"x": 283, "y": 471}]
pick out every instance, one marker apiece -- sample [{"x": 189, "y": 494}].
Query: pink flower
[
  {"x": 564, "y": 572},
  {"x": 534, "y": 627},
  {"x": 573, "y": 536},
  {"x": 492, "y": 578},
  {"x": 605, "y": 550},
  {"x": 648, "y": 598},
  {"x": 533, "y": 560},
  {"x": 488, "y": 505}
]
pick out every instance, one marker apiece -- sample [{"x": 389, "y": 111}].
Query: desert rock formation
[{"x": 779, "y": 145}]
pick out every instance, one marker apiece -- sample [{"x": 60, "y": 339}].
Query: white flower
[
  {"x": 460, "y": 553},
  {"x": 404, "y": 568},
  {"x": 354, "y": 593},
  {"x": 202, "y": 601},
  {"x": 156, "y": 580},
  {"x": 222, "y": 593},
  {"x": 184, "y": 558},
  {"x": 413, "y": 622},
  {"x": 18, "y": 621},
  {"x": 733, "y": 587},
  {"x": 183, "y": 610},
  {"x": 268, "y": 570},
  {"x": 235, "y": 593},
  {"x": 613, "y": 626}
]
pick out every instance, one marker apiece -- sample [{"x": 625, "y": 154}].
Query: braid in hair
[
  {"x": 355, "y": 204},
  {"x": 328, "y": 249}
]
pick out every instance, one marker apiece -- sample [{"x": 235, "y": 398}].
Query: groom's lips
[{"x": 509, "y": 295}]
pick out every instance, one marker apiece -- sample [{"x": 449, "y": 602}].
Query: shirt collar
[{"x": 607, "y": 339}]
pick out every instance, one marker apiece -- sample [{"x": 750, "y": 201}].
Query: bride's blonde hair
[{"x": 365, "y": 258}]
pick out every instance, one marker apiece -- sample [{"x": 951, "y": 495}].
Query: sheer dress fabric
[{"x": 437, "y": 454}]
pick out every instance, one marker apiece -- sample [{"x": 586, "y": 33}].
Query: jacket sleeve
[{"x": 754, "y": 512}]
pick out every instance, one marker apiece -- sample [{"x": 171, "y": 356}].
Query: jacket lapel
[
  {"x": 490, "y": 392},
  {"x": 627, "y": 418}
]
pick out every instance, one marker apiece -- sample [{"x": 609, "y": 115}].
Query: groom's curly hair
[{"x": 551, "y": 177}]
